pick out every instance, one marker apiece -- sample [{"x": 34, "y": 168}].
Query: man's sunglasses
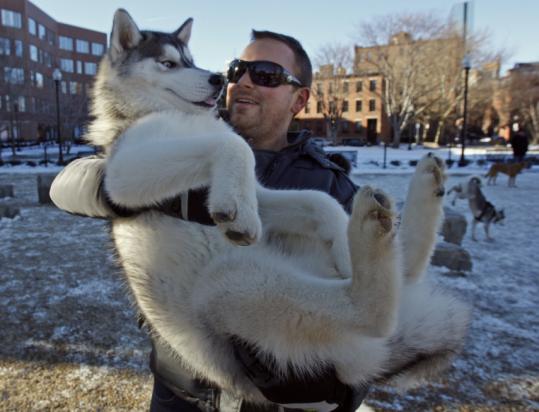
[{"x": 262, "y": 73}]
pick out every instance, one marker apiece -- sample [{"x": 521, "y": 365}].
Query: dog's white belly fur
[{"x": 178, "y": 272}]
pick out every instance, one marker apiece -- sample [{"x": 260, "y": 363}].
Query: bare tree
[
  {"x": 330, "y": 91},
  {"x": 523, "y": 88},
  {"x": 400, "y": 47},
  {"x": 448, "y": 73}
]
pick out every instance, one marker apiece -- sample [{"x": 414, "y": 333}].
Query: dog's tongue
[{"x": 210, "y": 101}]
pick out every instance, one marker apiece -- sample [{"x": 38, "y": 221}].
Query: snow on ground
[{"x": 69, "y": 338}]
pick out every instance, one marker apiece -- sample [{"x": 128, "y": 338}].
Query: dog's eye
[{"x": 168, "y": 64}]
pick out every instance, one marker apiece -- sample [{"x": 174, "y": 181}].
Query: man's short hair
[{"x": 303, "y": 62}]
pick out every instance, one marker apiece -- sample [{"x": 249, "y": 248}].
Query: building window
[
  {"x": 307, "y": 107},
  {"x": 51, "y": 37},
  {"x": 345, "y": 126},
  {"x": 42, "y": 32},
  {"x": 79, "y": 67},
  {"x": 47, "y": 59},
  {"x": 357, "y": 126},
  {"x": 34, "y": 54},
  {"x": 345, "y": 87},
  {"x": 31, "y": 26},
  {"x": 65, "y": 43},
  {"x": 13, "y": 75},
  {"x": 82, "y": 46},
  {"x": 66, "y": 65},
  {"x": 90, "y": 68},
  {"x": 359, "y": 86},
  {"x": 72, "y": 87},
  {"x": 39, "y": 80},
  {"x": 5, "y": 46},
  {"x": 359, "y": 105},
  {"x": 11, "y": 19},
  {"x": 372, "y": 105},
  {"x": 21, "y": 104},
  {"x": 372, "y": 85},
  {"x": 18, "y": 48},
  {"x": 63, "y": 86},
  {"x": 345, "y": 105},
  {"x": 318, "y": 107},
  {"x": 98, "y": 49}
]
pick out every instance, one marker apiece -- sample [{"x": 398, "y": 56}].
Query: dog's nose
[{"x": 216, "y": 80}]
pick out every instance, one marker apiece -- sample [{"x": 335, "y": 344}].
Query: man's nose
[{"x": 245, "y": 80}]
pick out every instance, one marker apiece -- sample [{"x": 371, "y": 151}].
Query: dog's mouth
[{"x": 208, "y": 103}]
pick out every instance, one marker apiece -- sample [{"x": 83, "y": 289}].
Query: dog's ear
[
  {"x": 184, "y": 32},
  {"x": 125, "y": 34}
]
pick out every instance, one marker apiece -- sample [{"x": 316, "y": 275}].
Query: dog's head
[
  {"x": 475, "y": 181},
  {"x": 500, "y": 216},
  {"x": 148, "y": 71}
]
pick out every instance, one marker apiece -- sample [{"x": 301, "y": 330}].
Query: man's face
[{"x": 258, "y": 112}]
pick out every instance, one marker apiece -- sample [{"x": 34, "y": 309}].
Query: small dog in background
[
  {"x": 510, "y": 169},
  {"x": 482, "y": 210}
]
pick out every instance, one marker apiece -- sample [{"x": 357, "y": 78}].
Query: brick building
[
  {"x": 348, "y": 105},
  {"x": 32, "y": 45}
]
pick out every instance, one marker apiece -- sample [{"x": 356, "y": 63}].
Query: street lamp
[
  {"x": 57, "y": 77},
  {"x": 466, "y": 64}
]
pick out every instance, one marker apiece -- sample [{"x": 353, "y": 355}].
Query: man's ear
[
  {"x": 302, "y": 97},
  {"x": 125, "y": 34},
  {"x": 184, "y": 32}
]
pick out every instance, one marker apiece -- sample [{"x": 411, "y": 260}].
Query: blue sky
[{"x": 221, "y": 29}]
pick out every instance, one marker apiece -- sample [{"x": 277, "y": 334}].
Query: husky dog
[
  {"x": 482, "y": 210},
  {"x": 510, "y": 169},
  {"x": 461, "y": 192},
  {"x": 315, "y": 288}
]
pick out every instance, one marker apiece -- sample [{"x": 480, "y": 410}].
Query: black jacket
[{"x": 304, "y": 165}]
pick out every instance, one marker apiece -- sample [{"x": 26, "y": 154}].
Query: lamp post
[
  {"x": 57, "y": 77},
  {"x": 466, "y": 63}
]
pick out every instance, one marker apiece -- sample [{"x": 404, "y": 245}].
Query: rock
[
  {"x": 454, "y": 226},
  {"x": 6, "y": 191},
  {"x": 9, "y": 211},
  {"x": 43, "y": 187},
  {"x": 451, "y": 256}
]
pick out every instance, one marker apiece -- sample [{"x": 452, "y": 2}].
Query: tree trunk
[
  {"x": 396, "y": 132},
  {"x": 439, "y": 129}
]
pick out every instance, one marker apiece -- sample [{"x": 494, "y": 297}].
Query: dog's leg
[
  {"x": 474, "y": 224},
  {"x": 432, "y": 328},
  {"x": 153, "y": 162},
  {"x": 487, "y": 230},
  {"x": 289, "y": 306},
  {"x": 307, "y": 213},
  {"x": 421, "y": 216}
]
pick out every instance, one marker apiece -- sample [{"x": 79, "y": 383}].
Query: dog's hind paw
[
  {"x": 373, "y": 210},
  {"x": 433, "y": 168}
]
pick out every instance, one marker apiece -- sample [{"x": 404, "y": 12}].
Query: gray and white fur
[
  {"x": 315, "y": 286},
  {"x": 482, "y": 210}
]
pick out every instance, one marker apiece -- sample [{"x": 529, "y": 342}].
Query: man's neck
[{"x": 273, "y": 144}]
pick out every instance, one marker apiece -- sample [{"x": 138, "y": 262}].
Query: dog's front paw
[
  {"x": 237, "y": 219},
  {"x": 432, "y": 170}
]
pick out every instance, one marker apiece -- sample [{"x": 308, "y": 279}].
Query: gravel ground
[{"x": 69, "y": 337}]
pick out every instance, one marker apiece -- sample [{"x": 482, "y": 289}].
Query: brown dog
[{"x": 510, "y": 169}]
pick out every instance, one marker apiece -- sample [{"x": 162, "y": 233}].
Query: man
[
  {"x": 268, "y": 86},
  {"x": 519, "y": 144}
]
